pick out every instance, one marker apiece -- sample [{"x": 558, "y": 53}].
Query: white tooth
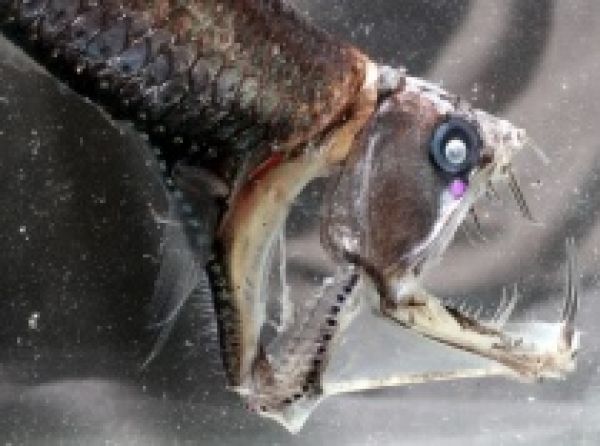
[
  {"x": 537, "y": 150},
  {"x": 501, "y": 306},
  {"x": 572, "y": 294},
  {"x": 477, "y": 313},
  {"x": 507, "y": 306}
]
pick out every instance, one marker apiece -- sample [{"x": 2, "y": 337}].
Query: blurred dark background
[{"x": 80, "y": 248}]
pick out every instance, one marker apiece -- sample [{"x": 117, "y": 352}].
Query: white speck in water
[
  {"x": 531, "y": 399},
  {"x": 22, "y": 229},
  {"x": 328, "y": 281},
  {"x": 537, "y": 184},
  {"x": 33, "y": 320}
]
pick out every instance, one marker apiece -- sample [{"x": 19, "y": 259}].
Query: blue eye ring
[{"x": 455, "y": 146}]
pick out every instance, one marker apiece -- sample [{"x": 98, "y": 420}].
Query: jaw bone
[{"x": 527, "y": 350}]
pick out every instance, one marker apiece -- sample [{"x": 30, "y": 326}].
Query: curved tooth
[
  {"x": 572, "y": 294},
  {"x": 513, "y": 184},
  {"x": 506, "y": 307},
  {"x": 501, "y": 305},
  {"x": 530, "y": 144},
  {"x": 477, "y": 223}
]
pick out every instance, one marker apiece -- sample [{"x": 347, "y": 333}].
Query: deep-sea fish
[{"x": 314, "y": 187}]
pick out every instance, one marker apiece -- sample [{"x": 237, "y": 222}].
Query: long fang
[
  {"x": 518, "y": 195},
  {"x": 537, "y": 150}
]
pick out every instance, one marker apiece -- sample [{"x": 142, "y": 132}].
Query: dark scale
[{"x": 160, "y": 77}]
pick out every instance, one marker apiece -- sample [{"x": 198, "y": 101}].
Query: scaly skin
[{"x": 242, "y": 74}]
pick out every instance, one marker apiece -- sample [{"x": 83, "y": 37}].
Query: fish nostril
[{"x": 486, "y": 159}]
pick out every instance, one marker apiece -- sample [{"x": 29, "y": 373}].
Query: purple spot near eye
[{"x": 457, "y": 189}]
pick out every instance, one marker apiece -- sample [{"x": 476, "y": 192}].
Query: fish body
[
  {"x": 236, "y": 76},
  {"x": 252, "y": 108}
]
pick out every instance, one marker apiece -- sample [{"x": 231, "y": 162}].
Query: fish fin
[
  {"x": 178, "y": 276},
  {"x": 185, "y": 250}
]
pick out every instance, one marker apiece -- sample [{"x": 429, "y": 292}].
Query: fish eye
[{"x": 455, "y": 146}]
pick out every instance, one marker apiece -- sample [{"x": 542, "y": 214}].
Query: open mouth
[{"x": 530, "y": 350}]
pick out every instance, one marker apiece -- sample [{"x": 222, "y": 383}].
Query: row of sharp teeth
[
  {"x": 508, "y": 301},
  {"x": 492, "y": 194},
  {"x": 500, "y": 316}
]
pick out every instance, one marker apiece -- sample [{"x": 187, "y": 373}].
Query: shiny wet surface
[{"x": 79, "y": 249}]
